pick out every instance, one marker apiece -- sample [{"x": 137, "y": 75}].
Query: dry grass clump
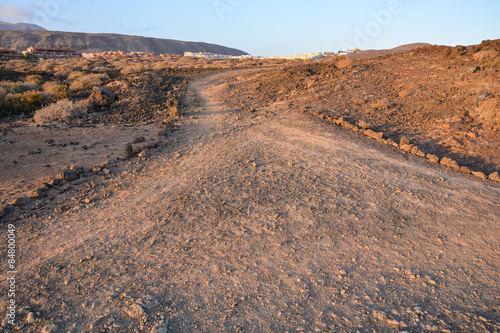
[{"x": 62, "y": 110}]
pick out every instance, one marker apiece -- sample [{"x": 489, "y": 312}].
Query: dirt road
[{"x": 264, "y": 222}]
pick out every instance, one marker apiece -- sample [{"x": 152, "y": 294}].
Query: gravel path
[{"x": 266, "y": 222}]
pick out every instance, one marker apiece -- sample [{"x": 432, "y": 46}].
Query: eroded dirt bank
[{"x": 260, "y": 222}]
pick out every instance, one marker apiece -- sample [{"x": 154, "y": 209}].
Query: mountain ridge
[
  {"x": 19, "y": 26},
  {"x": 101, "y": 42}
]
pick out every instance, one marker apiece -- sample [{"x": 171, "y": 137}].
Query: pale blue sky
[{"x": 280, "y": 27}]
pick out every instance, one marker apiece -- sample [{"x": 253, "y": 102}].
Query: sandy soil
[
  {"x": 268, "y": 221},
  {"x": 32, "y": 155}
]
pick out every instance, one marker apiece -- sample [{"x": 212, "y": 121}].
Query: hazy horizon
[{"x": 269, "y": 29}]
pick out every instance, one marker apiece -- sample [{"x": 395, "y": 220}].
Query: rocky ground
[
  {"x": 249, "y": 214},
  {"x": 443, "y": 99}
]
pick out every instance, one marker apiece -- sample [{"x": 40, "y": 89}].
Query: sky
[{"x": 270, "y": 28}]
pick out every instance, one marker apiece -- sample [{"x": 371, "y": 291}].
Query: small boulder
[
  {"x": 406, "y": 148},
  {"x": 143, "y": 155},
  {"x": 68, "y": 175},
  {"x": 450, "y": 163},
  {"x": 495, "y": 177},
  {"x": 101, "y": 98},
  {"x": 30, "y": 318},
  {"x": 433, "y": 158},
  {"x": 391, "y": 142},
  {"x": 50, "y": 328},
  {"x": 479, "y": 174},
  {"x": 129, "y": 151},
  {"x": 445, "y": 161},
  {"x": 417, "y": 152},
  {"x": 22, "y": 201},
  {"x": 139, "y": 139},
  {"x": 161, "y": 327},
  {"x": 152, "y": 145},
  {"x": 135, "y": 311},
  {"x": 466, "y": 170},
  {"x": 454, "y": 165},
  {"x": 404, "y": 141},
  {"x": 374, "y": 135},
  {"x": 38, "y": 193}
]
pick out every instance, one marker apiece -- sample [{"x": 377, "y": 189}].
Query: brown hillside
[
  {"x": 83, "y": 42},
  {"x": 377, "y": 53}
]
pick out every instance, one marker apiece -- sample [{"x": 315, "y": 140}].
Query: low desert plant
[{"x": 62, "y": 110}]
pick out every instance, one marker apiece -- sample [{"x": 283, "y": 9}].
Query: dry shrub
[
  {"x": 46, "y": 65},
  {"x": 56, "y": 90},
  {"x": 63, "y": 69},
  {"x": 161, "y": 65},
  {"x": 20, "y": 65},
  {"x": 82, "y": 65},
  {"x": 76, "y": 75},
  {"x": 62, "y": 110},
  {"x": 24, "y": 102},
  {"x": 37, "y": 79},
  {"x": 3, "y": 94},
  {"x": 18, "y": 87},
  {"x": 87, "y": 82},
  {"x": 133, "y": 69},
  {"x": 344, "y": 63}
]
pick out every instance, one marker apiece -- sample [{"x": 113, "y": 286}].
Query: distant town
[{"x": 58, "y": 53}]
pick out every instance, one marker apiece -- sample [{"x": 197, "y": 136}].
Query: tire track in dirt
[{"x": 270, "y": 221}]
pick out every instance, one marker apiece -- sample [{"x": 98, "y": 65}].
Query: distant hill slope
[
  {"x": 19, "y": 26},
  {"x": 83, "y": 42},
  {"x": 377, "y": 53}
]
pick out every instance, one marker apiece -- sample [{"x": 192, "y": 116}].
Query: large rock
[{"x": 101, "y": 98}]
